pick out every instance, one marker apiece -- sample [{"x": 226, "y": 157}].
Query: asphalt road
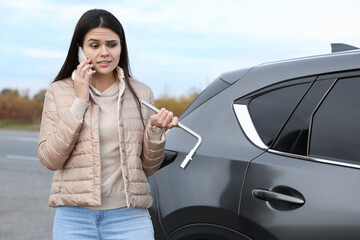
[{"x": 24, "y": 189}]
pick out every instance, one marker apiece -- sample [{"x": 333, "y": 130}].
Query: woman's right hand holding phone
[{"x": 82, "y": 79}]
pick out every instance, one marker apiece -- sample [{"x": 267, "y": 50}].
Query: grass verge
[{"x": 10, "y": 125}]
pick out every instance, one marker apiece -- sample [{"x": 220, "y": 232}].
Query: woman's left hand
[{"x": 163, "y": 119}]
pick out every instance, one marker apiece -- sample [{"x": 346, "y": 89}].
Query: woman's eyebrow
[{"x": 97, "y": 40}]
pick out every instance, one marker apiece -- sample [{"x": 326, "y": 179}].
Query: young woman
[{"x": 97, "y": 138}]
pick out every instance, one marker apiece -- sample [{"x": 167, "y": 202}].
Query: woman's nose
[{"x": 104, "y": 51}]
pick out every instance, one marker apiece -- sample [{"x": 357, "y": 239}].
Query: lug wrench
[{"x": 188, "y": 157}]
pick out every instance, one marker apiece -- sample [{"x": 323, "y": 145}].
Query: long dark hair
[{"x": 88, "y": 21}]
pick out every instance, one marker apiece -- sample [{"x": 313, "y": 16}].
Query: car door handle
[{"x": 268, "y": 195}]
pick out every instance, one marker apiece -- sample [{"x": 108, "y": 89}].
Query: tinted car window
[
  {"x": 270, "y": 111},
  {"x": 335, "y": 127},
  {"x": 294, "y": 137}
]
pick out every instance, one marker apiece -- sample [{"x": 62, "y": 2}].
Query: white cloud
[
  {"x": 33, "y": 6},
  {"x": 43, "y": 53},
  {"x": 277, "y": 19},
  {"x": 283, "y": 20},
  {"x": 208, "y": 37}
]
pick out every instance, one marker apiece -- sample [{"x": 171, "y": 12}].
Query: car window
[
  {"x": 270, "y": 111},
  {"x": 335, "y": 128},
  {"x": 294, "y": 136}
]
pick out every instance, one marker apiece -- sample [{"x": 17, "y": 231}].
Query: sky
[{"x": 175, "y": 46}]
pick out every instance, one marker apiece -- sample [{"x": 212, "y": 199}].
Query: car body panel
[
  {"x": 331, "y": 200},
  {"x": 178, "y": 189},
  {"x": 214, "y": 194}
]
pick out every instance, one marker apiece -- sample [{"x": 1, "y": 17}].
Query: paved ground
[{"x": 24, "y": 189}]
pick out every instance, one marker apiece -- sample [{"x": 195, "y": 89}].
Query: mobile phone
[{"x": 81, "y": 55}]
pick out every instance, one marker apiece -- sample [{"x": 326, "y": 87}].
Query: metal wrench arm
[{"x": 186, "y": 129}]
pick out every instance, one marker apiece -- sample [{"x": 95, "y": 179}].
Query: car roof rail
[{"x": 341, "y": 47}]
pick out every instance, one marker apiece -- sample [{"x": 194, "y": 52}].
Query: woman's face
[{"x": 102, "y": 47}]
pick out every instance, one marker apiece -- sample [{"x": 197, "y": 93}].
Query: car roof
[
  {"x": 266, "y": 74},
  {"x": 297, "y": 67}
]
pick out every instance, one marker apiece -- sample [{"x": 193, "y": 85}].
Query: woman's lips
[{"x": 104, "y": 63}]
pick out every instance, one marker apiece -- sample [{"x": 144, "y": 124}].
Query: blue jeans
[{"x": 82, "y": 223}]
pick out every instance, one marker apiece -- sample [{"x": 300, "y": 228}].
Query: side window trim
[
  {"x": 244, "y": 118},
  {"x": 243, "y": 115},
  {"x": 313, "y": 159}
]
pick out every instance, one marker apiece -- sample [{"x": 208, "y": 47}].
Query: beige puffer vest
[{"x": 71, "y": 147}]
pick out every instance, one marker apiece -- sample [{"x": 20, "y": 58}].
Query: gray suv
[{"x": 279, "y": 158}]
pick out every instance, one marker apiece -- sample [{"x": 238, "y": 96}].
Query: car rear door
[{"x": 305, "y": 186}]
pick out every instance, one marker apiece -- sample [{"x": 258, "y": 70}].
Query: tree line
[{"x": 19, "y": 109}]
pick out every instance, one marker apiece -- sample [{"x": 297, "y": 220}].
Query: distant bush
[
  {"x": 176, "y": 105},
  {"x": 20, "y": 110}
]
